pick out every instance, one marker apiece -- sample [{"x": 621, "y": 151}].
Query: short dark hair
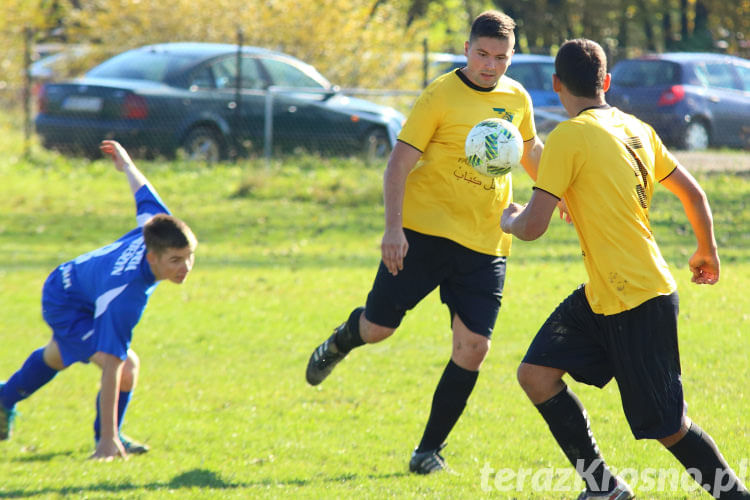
[
  {"x": 492, "y": 24},
  {"x": 581, "y": 65},
  {"x": 162, "y": 232}
]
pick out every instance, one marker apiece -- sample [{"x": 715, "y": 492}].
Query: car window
[
  {"x": 640, "y": 73},
  {"x": 141, "y": 65},
  {"x": 286, "y": 75},
  {"x": 222, "y": 74},
  {"x": 547, "y": 70},
  {"x": 721, "y": 76},
  {"x": 525, "y": 74},
  {"x": 744, "y": 73},
  {"x": 203, "y": 78}
]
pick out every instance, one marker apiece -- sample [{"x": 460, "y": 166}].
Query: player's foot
[
  {"x": 621, "y": 492},
  {"x": 427, "y": 462},
  {"x": 323, "y": 359},
  {"x": 133, "y": 447},
  {"x": 6, "y": 419}
]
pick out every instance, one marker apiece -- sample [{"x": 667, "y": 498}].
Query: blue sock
[
  {"x": 122, "y": 406},
  {"x": 33, "y": 374}
]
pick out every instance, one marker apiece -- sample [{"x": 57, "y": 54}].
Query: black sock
[
  {"x": 348, "y": 338},
  {"x": 704, "y": 462},
  {"x": 569, "y": 424},
  {"x": 448, "y": 403}
]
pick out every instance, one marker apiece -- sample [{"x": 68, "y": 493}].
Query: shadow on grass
[
  {"x": 196, "y": 478},
  {"x": 43, "y": 457}
]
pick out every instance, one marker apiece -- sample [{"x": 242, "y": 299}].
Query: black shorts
[
  {"x": 471, "y": 283},
  {"x": 637, "y": 347}
]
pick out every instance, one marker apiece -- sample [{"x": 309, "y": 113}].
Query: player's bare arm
[
  {"x": 109, "y": 445},
  {"x": 394, "y": 246},
  {"x": 531, "y": 221},
  {"x": 532, "y": 153},
  {"x": 704, "y": 264},
  {"x": 123, "y": 163}
]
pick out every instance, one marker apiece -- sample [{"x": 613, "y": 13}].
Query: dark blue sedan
[
  {"x": 693, "y": 100},
  {"x": 210, "y": 100}
]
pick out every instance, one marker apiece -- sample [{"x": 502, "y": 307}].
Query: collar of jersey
[{"x": 471, "y": 84}]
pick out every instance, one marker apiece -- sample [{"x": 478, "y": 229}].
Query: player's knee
[
  {"x": 529, "y": 378},
  {"x": 130, "y": 371},
  {"x": 372, "y": 332}
]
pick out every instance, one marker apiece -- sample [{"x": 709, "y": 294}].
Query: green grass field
[{"x": 285, "y": 254}]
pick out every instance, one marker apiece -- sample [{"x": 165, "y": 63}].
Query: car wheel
[
  {"x": 696, "y": 136},
  {"x": 203, "y": 144},
  {"x": 376, "y": 145}
]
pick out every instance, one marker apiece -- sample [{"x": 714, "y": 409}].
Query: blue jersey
[{"x": 93, "y": 302}]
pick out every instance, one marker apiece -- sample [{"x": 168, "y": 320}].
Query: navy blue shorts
[
  {"x": 471, "y": 283},
  {"x": 637, "y": 347}
]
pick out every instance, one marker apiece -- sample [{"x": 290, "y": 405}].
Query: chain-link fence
[
  {"x": 220, "y": 101},
  {"x": 202, "y": 101}
]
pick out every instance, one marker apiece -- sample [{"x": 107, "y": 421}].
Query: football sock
[
  {"x": 448, "y": 403},
  {"x": 122, "y": 406},
  {"x": 703, "y": 460},
  {"x": 28, "y": 379},
  {"x": 569, "y": 424},
  {"x": 348, "y": 338}
]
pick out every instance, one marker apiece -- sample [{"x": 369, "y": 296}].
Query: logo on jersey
[
  {"x": 504, "y": 114},
  {"x": 130, "y": 258}
]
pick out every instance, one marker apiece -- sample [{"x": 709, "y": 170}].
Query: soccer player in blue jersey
[{"x": 93, "y": 302}]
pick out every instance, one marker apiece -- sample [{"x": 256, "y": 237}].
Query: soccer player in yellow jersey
[
  {"x": 623, "y": 322},
  {"x": 442, "y": 226}
]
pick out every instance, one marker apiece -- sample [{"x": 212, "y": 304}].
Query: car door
[
  {"x": 300, "y": 118},
  {"x": 237, "y": 112},
  {"x": 728, "y": 101}
]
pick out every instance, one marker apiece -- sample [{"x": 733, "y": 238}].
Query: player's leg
[
  {"x": 473, "y": 292},
  {"x": 698, "y": 453},
  {"x": 655, "y": 390},
  {"x": 451, "y": 394},
  {"x": 38, "y": 369},
  {"x": 387, "y": 303},
  {"x": 564, "y": 344}
]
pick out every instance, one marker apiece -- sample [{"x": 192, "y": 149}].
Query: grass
[{"x": 286, "y": 252}]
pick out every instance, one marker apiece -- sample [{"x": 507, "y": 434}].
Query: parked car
[
  {"x": 159, "y": 98},
  {"x": 693, "y": 100}
]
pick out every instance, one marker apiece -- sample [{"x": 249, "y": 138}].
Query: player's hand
[
  {"x": 509, "y": 215},
  {"x": 393, "y": 248},
  {"x": 118, "y": 154},
  {"x": 109, "y": 449},
  {"x": 563, "y": 209},
  {"x": 705, "y": 268}
]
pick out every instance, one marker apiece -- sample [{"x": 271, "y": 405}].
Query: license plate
[{"x": 83, "y": 103}]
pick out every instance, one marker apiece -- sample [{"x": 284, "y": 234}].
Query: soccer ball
[{"x": 493, "y": 147}]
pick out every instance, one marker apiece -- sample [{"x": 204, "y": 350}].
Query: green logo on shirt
[{"x": 505, "y": 115}]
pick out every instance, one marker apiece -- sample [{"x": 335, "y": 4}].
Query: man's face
[
  {"x": 173, "y": 265},
  {"x": 487, "y": 58}
]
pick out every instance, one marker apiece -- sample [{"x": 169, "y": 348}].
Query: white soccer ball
[{"x": 494, "y": 147}]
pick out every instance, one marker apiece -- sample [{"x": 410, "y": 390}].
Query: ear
[
  {"x": 607, "y": 82},
  {"x": 556, "y": 83},
  {"x": 152, "y": 258},
  {"x": 466, "y": 49}
]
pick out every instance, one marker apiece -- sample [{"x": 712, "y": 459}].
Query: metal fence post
[
  {"x": 268, "y": 126},
  {"x": 28, "y": 38}
]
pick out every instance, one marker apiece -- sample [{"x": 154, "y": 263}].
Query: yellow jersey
[
  {"x": 444, "y": 195},
  {"x": 604, "y": 163}
]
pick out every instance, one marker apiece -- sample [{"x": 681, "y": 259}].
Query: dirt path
[{"x": 734, "y": 161}]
